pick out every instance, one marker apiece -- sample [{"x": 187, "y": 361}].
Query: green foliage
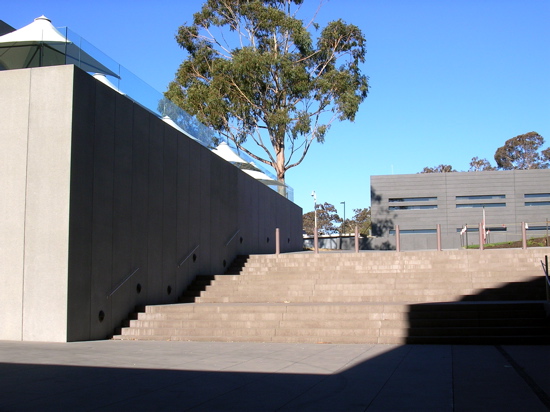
[
  {"x": 522, "y": 153},
  {"x": 254, "y": 72},
  {"x": 480, "y": 165},
  {"x": 361, "y": 219},
  {"x": 327, "y": 220},
  {"x": 438, "y": 169},
  {"x": 518, "y": 153}
]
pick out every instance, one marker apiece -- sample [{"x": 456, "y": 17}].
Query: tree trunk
[{"x": 280, "y": 169}]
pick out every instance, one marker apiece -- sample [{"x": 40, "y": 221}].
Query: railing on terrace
[{"x": 76, "y": 50}]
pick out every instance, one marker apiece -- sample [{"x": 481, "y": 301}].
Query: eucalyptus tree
[
  {"x": 523, "y": 152},
  {"x": 253, "y": 72}
]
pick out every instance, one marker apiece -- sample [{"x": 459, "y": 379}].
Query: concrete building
[
  {"x": 104, "y": 206},
  {"x": 458, "y": 200}
]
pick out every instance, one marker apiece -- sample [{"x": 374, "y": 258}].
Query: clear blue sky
[{"x": 450, "y": 79}]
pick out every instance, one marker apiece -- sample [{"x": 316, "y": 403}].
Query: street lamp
[{"x": 344, "y": 225}]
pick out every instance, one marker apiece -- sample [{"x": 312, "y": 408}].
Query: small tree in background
[
  {"x": 438, "y": 169},
  {"x": 361, "y": 219},
  {"x": 480, "y": 165},
  {"x": 327, "y": 220}
]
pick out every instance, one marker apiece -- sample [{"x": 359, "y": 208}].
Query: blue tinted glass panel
[
  {"x": 531, "y": 195},
  {"x": 412, "y": 199},
  {"x": 413, "y": 207},
  {"x": 414, "y": 231},
  {"x": 481, "y": 197},
  {"x": 464, "y": 205},
  {"x": 492, "y": 229},
  {"x": 537, "y": 203}
]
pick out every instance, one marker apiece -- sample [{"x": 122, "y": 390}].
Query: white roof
[
  {"x": 19, "y": 49},
  {"x": 224, "y": 151},
  {"x": 262, "y": 177},
  {"x": 41, "y": 29}
]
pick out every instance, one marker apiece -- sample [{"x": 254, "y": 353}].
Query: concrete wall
[
  {"x": 443, "y": 189},
  {"x": 102, "y": 202}
]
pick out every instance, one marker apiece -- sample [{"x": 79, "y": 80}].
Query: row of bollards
[{"x": 398, "y": 239}]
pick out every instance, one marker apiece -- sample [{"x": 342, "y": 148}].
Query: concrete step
[{"x": 367, "y": 298}]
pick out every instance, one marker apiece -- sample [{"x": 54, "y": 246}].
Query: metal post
[
  {"x": 438, "y": 237},
  {"x": 277, "y": 242},
  {"x": 523, "y": 236},
  {"x": 547, "y": 238},
  {"x": 315, "y": 235},
  {"x": 397, "y": 239},
  {"x": 356, "y": 239},
  {"x": 481, "y": 236}
]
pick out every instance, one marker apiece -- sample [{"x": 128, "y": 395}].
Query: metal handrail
[
  {"x": 545, "y": 270},
  {"x": 122, "y": 283},
  {"x": 188, "y": 256},
  {"x": 232, "y": 237}
]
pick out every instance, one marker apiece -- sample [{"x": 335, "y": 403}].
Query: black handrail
[
  {"x": 188, "y": 256},
  {"x": 545, "y": 270},
  {"x": 232, "y": 237},
  {"x": 122, "y": 283}
]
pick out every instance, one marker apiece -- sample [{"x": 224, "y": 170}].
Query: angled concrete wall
[{"x": 105, "y": 207}]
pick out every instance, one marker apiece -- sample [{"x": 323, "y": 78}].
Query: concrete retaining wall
[{"x": 95, "y": 190}]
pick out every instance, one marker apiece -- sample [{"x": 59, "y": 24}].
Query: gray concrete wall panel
[
  {"x": 194, "y": 222},
  {"x": 103, "y": 124},
  {"x": 81, "y": 209},
  {"x": 205, "y": 195},
  {"x": 47, "y": 205},
  {"x": 14, "y": 123},
  {"x": 169, "y": 216},
  {"x": 140, "y": 205},
  {"x": 183, "y": 245},
  {"x": 248, "y": 214},
  {"x": 123, "y": 265},
  {"x": 153, "y": 287}
]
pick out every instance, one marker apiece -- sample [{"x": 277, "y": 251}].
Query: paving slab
[{"x": 215, "y": 376}]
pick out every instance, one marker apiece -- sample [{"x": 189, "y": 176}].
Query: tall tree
[
  {"x": 261, "y": 77},
  {"x": 438, "y": 169},
  {"x": 480, "y": 165},
  {"x": 327, "y": 220},
  {"x": 522, "y": 153}
]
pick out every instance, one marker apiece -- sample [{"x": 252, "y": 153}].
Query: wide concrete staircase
[{"x": 482, "y": 297}]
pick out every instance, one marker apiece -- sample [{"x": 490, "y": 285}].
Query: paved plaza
[{"x": 208, "y": 376}]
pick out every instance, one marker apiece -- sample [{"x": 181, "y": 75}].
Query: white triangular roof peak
[{"x": 41, "y": 29}]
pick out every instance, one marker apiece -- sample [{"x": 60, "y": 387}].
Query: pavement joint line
[
  {"x": 387, "y": 380},
  {"x": 537, "y": 390}
]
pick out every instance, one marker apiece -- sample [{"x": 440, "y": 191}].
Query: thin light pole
[{"x": 344, "y": 225}]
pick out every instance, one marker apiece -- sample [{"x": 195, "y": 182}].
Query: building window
[
  {"x": 491, "y": 229},
  {"x": 537, "y": 203},
  {"x": 412, "y": 199},
  {"x": 413, "y": 207},
  {"x": 532, "y": 195},
  {"x": 481, "y": 197},
  {"x": 413, "y": 231},
  {"x": 529, "y": 227},
  {"x": 464, "y": 205}
]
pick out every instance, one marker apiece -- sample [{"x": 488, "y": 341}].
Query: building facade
[
  {"x": 459, "y": 202},
  {"x": 104, "y": 207}
]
